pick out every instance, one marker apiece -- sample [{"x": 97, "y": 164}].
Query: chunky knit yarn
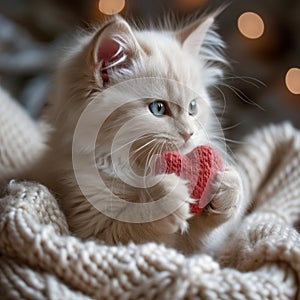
[
  {"x": 21, "y": 139},
  {"x": 40, "y": 259}
]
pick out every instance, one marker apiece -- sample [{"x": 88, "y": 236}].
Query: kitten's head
[{"x": 149, "y": 88}]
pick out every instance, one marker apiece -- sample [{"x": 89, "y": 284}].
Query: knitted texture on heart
[{"x": 199, "y": 168}]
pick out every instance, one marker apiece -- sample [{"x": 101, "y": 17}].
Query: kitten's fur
[{"x": 187, "y": 56}]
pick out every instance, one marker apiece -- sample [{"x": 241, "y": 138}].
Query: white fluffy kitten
[{"x": 173, "y": 66}]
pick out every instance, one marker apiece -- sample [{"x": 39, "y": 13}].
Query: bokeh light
[
  {"x": 292, "y": 80},
  {"x": 251, "y": 25},
  {"x": 111, "y": 7}
]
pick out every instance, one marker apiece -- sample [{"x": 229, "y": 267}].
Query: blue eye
[
  {"x": 157, "y": 108},
  {"x": 192, "y": 108}
]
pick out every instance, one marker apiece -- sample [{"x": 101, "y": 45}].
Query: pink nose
[{"x": 186, "y": 135}]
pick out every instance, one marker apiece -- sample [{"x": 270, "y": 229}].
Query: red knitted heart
[{"x": 199, "y": 167}]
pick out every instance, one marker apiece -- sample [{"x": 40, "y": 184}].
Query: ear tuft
[
  {"x": 110, "y": 54},
  {"x": 108, "y": 49}
]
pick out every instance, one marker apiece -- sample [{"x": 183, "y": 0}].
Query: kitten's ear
[
  {"x": 113, "y": 49},
  {"x": 192, "y": 36},
  {"x": 200, "y": 40}
]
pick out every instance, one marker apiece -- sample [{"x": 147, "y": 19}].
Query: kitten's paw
[
  {"x": 228, "y": 194},
  {"x": 174, "y": 200}
]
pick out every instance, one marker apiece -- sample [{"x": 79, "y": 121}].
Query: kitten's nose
[{"x": 186, "y": 135}]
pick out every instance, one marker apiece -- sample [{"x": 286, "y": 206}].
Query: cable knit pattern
[{"x": 40, "y": 259}]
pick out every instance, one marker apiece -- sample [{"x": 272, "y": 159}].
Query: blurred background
[{"x": 262, "y": 37}]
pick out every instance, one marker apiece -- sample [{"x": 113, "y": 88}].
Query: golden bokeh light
[
  {"x": 111, "y": 7},
  {"x": 292, "y": 80},
  {"x": 251, "y": 25}
]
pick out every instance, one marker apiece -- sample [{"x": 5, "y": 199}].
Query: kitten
[{"x": 121, "y": 97}]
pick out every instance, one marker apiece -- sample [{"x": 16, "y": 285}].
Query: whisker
[
  {"x": 225, "y": 102},
  {"x": 130, "y": 142},
  {"x": 138, "y": 156},
  {"x": 143, "y": 146},
  {"x": 148, "y": 159},
  {"x": 248, "y": 80},
  {"x": 139, "y": 150},
  {"x": 242, "y": 95},
  {"x": 232, "y": 127},
  {"x": 231, "y": 141}
]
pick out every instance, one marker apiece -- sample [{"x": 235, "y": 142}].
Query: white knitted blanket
[{"x": 40, "y": 259}]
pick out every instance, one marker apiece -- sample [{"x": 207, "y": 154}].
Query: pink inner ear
[
  {"x": 107, "y": 49},
  {"x": 109, "y": 52}
]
